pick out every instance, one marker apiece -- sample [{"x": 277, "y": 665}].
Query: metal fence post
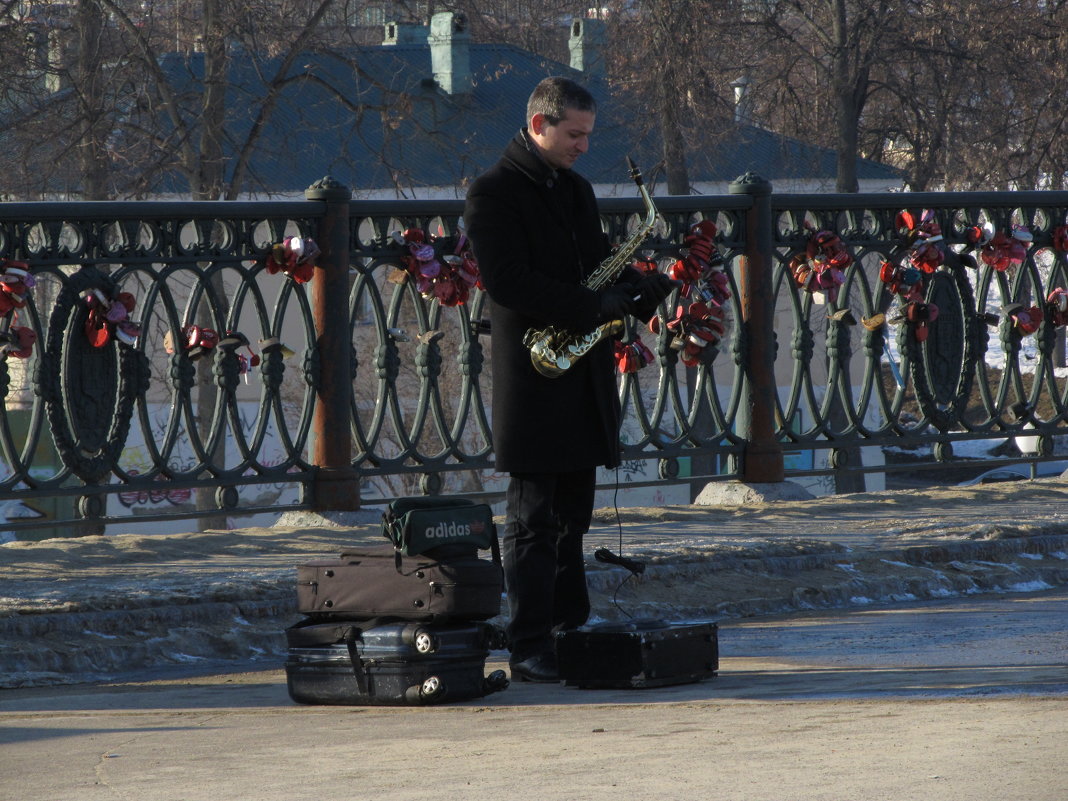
[
  {"x": 763, "y": 456},
  {"x": 336, "y": 485}
]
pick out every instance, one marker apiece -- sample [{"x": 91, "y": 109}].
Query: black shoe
[{"x": 540, "y": 668}]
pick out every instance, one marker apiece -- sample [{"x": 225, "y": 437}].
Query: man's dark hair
[{"x": 554, "y": 96}]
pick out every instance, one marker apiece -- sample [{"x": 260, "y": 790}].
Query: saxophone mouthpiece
[{"x": 635, "y": 173}]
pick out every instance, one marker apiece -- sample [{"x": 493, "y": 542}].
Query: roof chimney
[
  {"x": 57, "y": 73},
  {"x": 587, "y": 45},
  {"x": 743, "y": 103},
  {"x": 449, "y": 57},
  {"x": 404, "y": 33}
]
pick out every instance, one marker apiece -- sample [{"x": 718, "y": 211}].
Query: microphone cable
[{"x": 604, "y": 555}]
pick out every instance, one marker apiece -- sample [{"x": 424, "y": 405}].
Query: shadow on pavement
[{"x": 738, "y": 680}]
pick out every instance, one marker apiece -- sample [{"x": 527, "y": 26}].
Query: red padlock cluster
[
  {"x": 448, "y": 278},
  {"x": 244, "y": 363},
  {"x": 927, "y": 256},
  {"x": 17, "y": 341},
  {"x": 632, "y": 356},
  {"x": 695, "y": 332},
  {"x": 295, "y": 256},
  {"x": 697, "y": 327},
  {"x": 913, "y": 229},
  {"x": 110, "y": 317},
  {"x": 821, "y": 268},
  {"x": 1026, "y": 319},
  {"x": 977, "y": 235},
  {"x": 1000, "y": 251},
  {"x": 198, "y": 341},
  {"x": 1057, "y": 302},
  {"x": 923, "y": 236},
  {"x": 904, "y": 281},
  {"x": 1060, "y": 238},
  {"x": 921, "y": 315},
  {"x": 15, "y": 280},
  {"x": 701, "y": 264}
]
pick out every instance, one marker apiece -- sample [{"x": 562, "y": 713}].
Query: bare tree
[
  {"x": 533, "y": 25},
  {"x": 195, "y": 129},
  {"x": 671, "y": 66},
  {"x": 817, "y": 76},
  {"x": 88, "y": 86},
  {"x": 55, "y": 92},
  {"x": 962, "y": 106}
]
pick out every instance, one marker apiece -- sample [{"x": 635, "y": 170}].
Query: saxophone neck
[{"x": 650, "y": 207}]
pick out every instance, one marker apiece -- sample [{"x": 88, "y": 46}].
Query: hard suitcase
[
  {"x": 640, "y": 653},
  {"x": 395, "y": 664},
  {"x": 382, "y": 583}
]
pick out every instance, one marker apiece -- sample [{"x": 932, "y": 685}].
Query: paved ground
[
  {"x": 240, "y": 741},
  {"x": 866, "y": 688},
  {"x": 959, "y": 700}
]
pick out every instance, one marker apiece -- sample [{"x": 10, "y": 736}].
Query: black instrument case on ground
[
  {"x": 638, "y": 653},
  {"x": 381, "y": 582},
  {"x": 390, "y": 664}
]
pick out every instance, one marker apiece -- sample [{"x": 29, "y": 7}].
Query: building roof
[{"x": 375, "y": 119}]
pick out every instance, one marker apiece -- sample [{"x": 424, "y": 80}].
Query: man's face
[{"x": 563, "y": 143}]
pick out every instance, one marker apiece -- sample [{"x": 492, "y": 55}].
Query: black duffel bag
[{"x": 440, "y": 528}]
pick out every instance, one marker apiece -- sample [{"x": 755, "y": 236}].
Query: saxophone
[{"x": 553, "y": 350}]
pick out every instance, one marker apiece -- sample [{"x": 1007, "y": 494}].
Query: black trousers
[{"x": 544, "y": 571}]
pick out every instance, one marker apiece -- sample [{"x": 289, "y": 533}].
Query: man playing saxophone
[{"x": 536, "y": 232}]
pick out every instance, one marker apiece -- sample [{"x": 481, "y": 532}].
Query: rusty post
[
  {"x": 763, "y": 457},
  {"x": 336, "y": 486}
]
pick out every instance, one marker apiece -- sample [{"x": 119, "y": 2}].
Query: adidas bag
[{"x": 439, "y": 527}]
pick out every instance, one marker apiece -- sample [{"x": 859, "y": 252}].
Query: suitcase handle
[
  {"x": 495, "y": 545},
  {"x": 351, "y": 637}
]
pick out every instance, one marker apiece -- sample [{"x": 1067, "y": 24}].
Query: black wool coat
[{"x": 536, "y": 234}]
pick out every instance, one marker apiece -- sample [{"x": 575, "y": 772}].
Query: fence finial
[
  {"x": 328, "y": 188},
  {"x": 750, "y": 184}
]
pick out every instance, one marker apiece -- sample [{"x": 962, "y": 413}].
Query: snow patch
[{"x": 1030, "y": 586}]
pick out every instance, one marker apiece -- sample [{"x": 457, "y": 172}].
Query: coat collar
[{"x": 523, "y": 154}]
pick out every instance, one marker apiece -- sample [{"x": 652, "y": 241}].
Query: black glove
[
  {"x": 654, "y": 287},
  {"x": 616, "y": 303}
]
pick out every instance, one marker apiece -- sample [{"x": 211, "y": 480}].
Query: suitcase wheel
[
  {"x": 429, "y": 691},
  {"x": 495, "y": 682},
  {"x": 423, "y": 641},
  {"x": 432, "y": 689},
  {"x": 496, "y": 639}
]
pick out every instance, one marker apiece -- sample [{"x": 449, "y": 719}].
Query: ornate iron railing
[
  {"x": 366, "y": 390},
  {"x": 988, "y": 369}
]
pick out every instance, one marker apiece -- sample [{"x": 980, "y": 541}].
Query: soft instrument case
[{"x": 381, "y": 582}]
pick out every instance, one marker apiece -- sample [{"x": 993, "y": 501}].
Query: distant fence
[{"x": 157, "y": 369}]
